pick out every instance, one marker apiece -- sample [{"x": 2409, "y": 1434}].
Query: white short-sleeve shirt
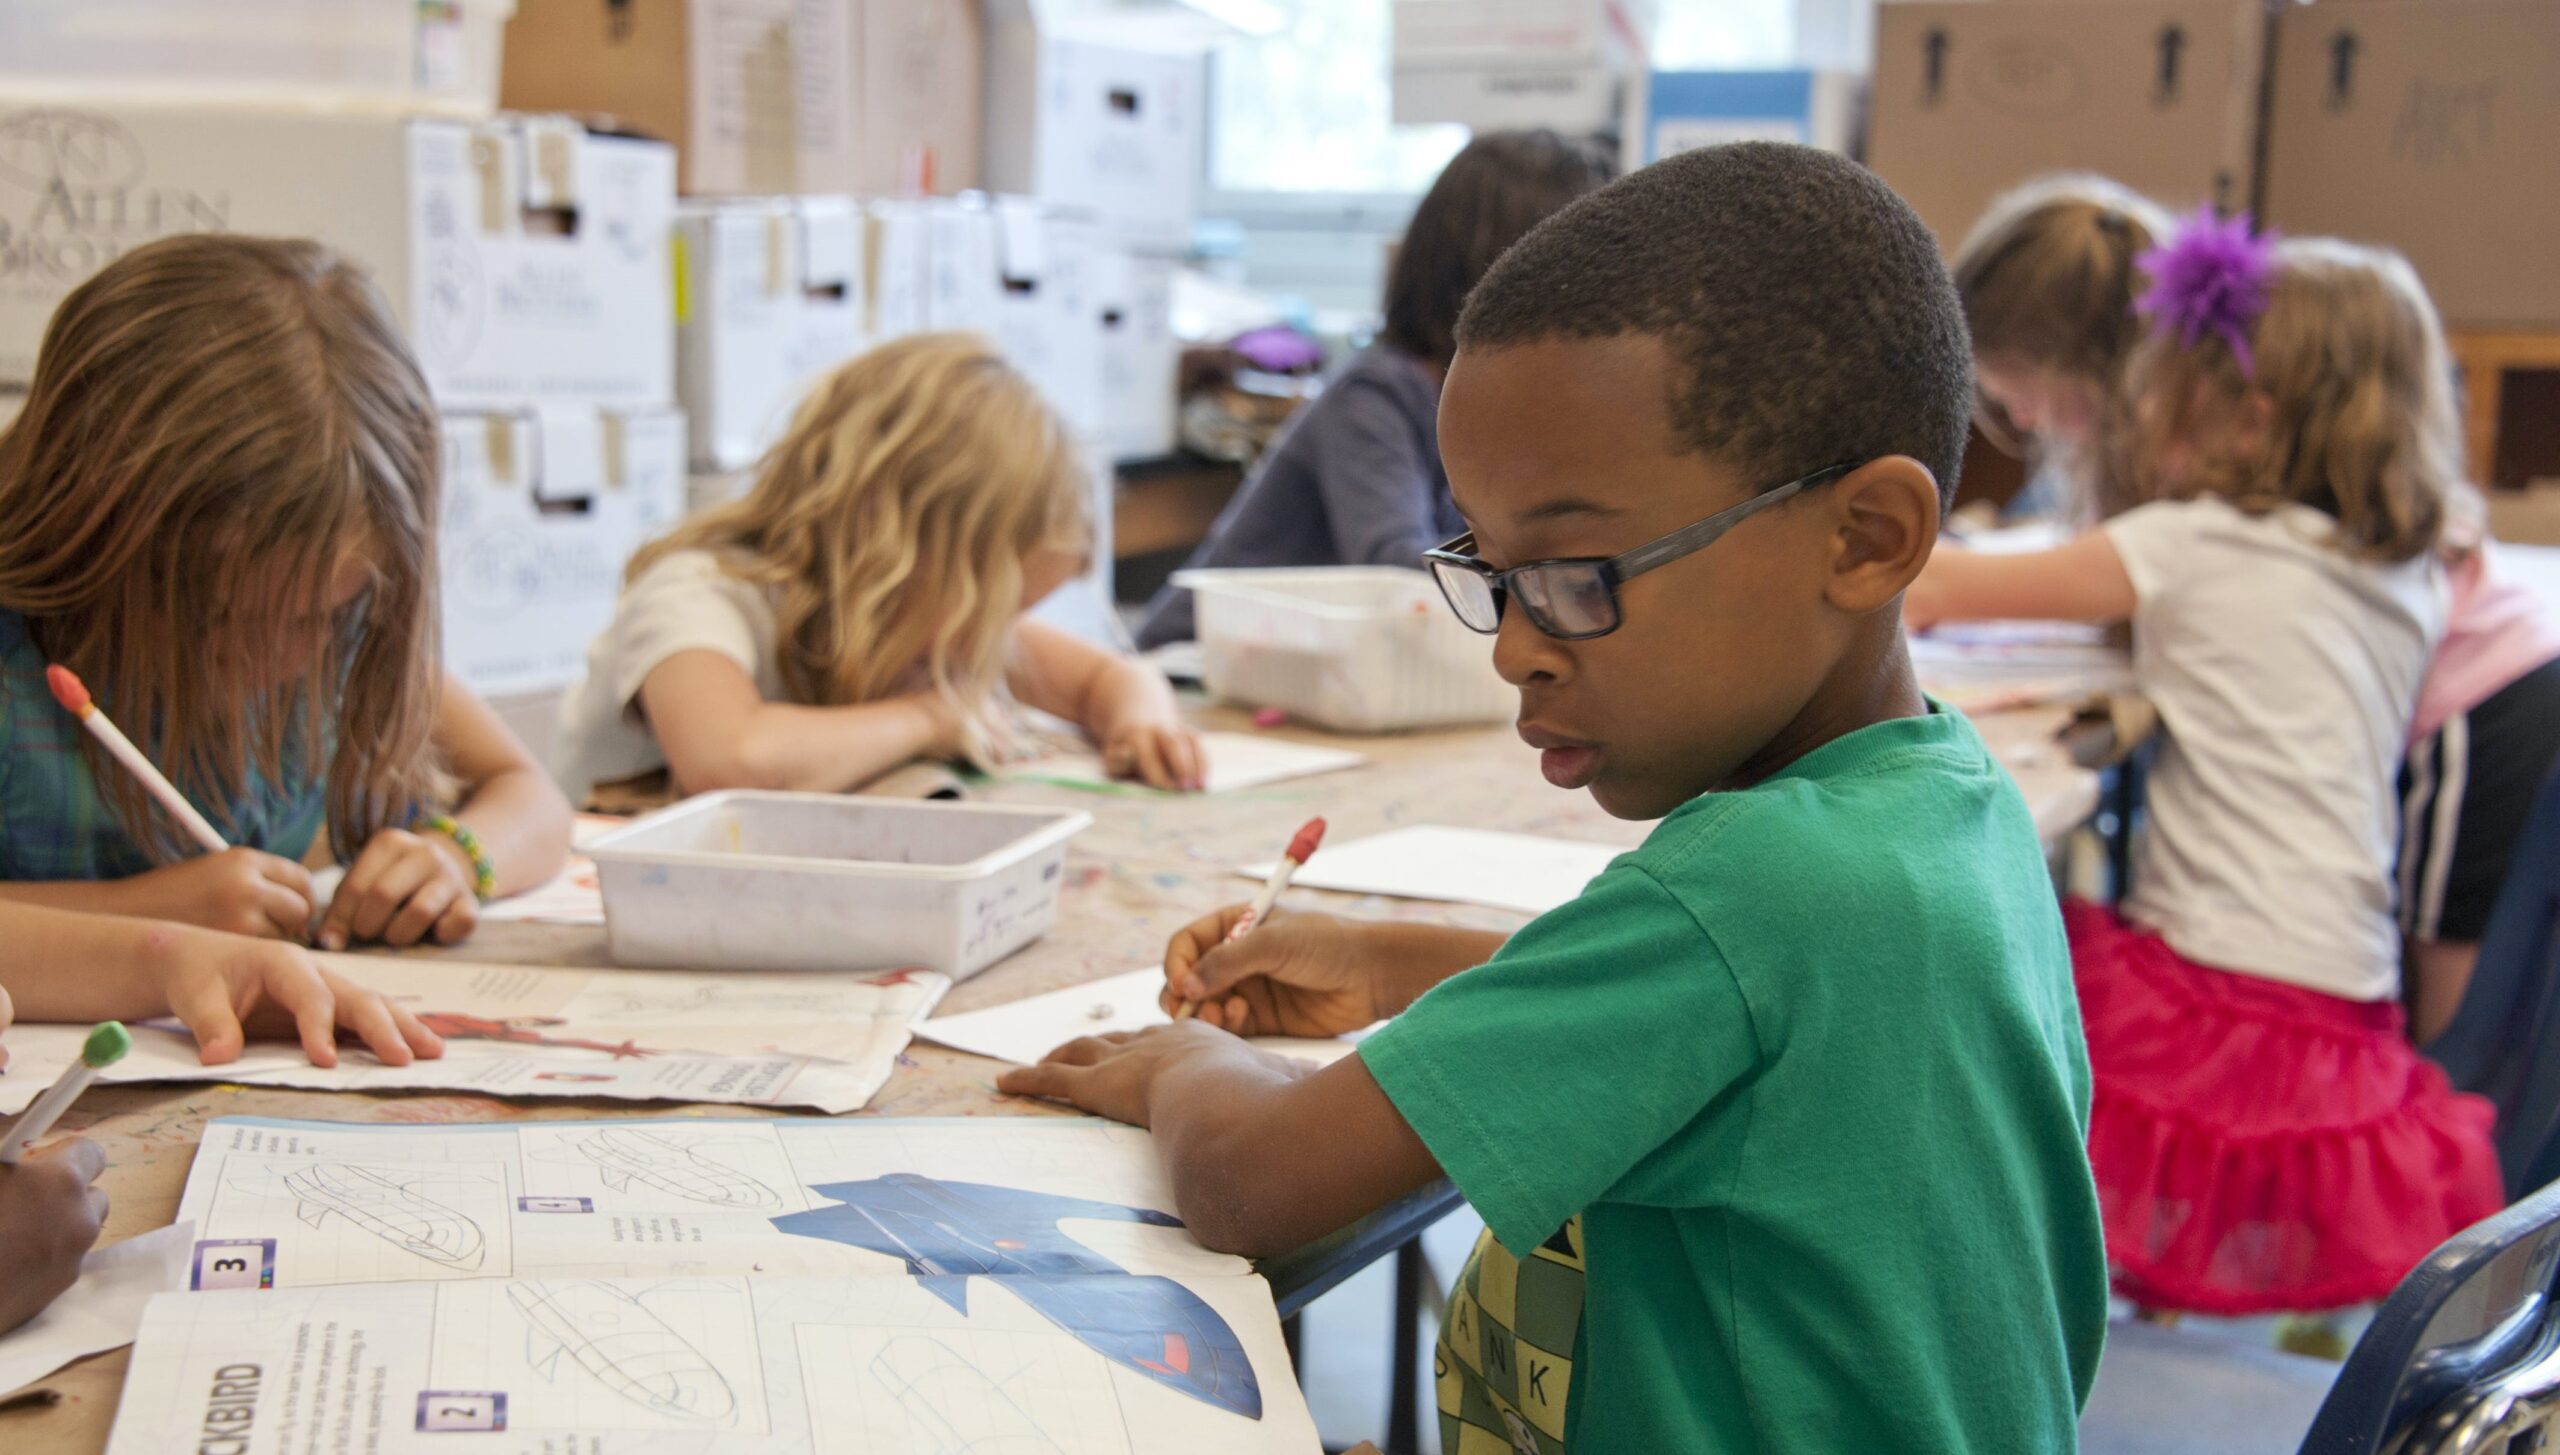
[
  {"x": 2285, "y": 671},
  {"x": 683, "y": 602}
]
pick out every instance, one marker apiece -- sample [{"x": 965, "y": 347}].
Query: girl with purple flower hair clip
[{"x": 2265, "y": 1138}]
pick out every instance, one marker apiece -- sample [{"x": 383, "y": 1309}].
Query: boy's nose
[{"x": 1523, "y": 654}]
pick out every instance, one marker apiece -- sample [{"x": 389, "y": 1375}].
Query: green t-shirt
[{"x": 1808, "y": 1066}]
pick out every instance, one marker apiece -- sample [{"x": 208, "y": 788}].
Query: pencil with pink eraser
[
  {"x": 1301, "y": 849},
  {"x": 74, "y": 697}
]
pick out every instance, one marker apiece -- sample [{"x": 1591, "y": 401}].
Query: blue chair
[
  {"x": 2501, "y": 1043},
  {"x": 2463, "y": 1359}
]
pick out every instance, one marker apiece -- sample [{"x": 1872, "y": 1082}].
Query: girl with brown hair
[{"x": 221, "y": 498}]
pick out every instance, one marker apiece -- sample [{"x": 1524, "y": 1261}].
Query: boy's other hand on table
[
  {"x": 1111, "y": 1075},
  {"x": 49, "y": 1219}
]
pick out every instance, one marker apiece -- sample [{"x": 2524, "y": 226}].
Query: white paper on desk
[
  {"x": 102, "y": 1310},
  {"x": 872, "y": 1362},
  {"x": 1463, "y": 866},
  {"x": 1023, "y": 1031},
  {"x": 753, "y": 1039},
  {"x": 1990, "y": 666},
  {"x": 730, "y": 1284},
  {"x": 1236, "y": 760}
]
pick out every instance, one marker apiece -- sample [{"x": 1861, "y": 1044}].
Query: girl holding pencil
[{"x": 222, "y": 498}]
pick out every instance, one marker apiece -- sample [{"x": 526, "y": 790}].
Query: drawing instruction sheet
[
  {"x": 703, "y": 1285},
  {"x": 751, "y": 1039}
]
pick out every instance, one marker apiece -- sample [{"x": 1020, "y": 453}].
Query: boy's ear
[{"x": 1885, "y": 520}]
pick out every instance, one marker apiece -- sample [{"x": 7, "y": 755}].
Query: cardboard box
[
  {"x": 919, "y": 75},
  {"x": 524, "y": 258},
  {"x": 895, "y": 237},
  {"x": 1576, "y": 65},
  {"x": 1088, "y": 121},
  {"x": 1686, "y": 109},
  {"x": 1046, "y": 323},
  {"x": 2428, "y": 127},
  {"x": 753, "y": 93},
  {"x": 2530, "y": 516},
  {"x": 1141, "y": 363},
  {"x": 963, "y": 271},
  {"x": 543, "y": 507},
  {"x": 1970, "y": 99},
  {"x": 770, "y": 298}
]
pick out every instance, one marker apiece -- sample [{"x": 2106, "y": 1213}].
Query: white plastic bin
[
  {"x": 1356, "y": 648},
  {"x": 397, "y": 56},
  {"x": 820, "y": 881}
]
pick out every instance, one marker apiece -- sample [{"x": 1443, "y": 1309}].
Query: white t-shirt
[
  {"x": 684, "y": 602},
  {"x": 2285, "y": 672}
]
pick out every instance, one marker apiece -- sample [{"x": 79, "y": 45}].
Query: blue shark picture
[{"x": 950, "y": 1232}]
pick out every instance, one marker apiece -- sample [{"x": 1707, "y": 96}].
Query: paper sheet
[
  {"x": 1236, "y": 760},
  {"x": 1025, "y": 1030},
  {"x": 102, "y": 1310},
  {"x": 754, "y": 1039},
  {"x": 722, "y": 1284},
  {"x": 1464, "y": 866}
]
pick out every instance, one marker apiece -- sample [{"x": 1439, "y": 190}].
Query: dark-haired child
[
  {"x": 1777, "y": 1128},
  {"x": 1356, "y": 478}
]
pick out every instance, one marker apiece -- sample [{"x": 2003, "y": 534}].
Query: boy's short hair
[{"x": 1804, "y": 304}]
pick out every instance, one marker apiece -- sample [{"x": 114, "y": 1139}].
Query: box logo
[{"x": 75, "y": 193}]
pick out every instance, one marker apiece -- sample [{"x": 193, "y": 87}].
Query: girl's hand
[
  {"x": 403, "y": 887},
  {"x": 1160, "y": 754},
  {"x": 224, "y": 988},
  {"x": 238, "y": 891},
  {"x": 1297, "y": 974},
  {"x": 49, "y": 1217}
]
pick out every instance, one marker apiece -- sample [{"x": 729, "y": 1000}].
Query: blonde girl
[
  {"x": 221, "y": 498},
  {"x": 2048, "y": 280},
  {"x": 862, "y": 605},
  {"x": 2263, "y": 1134}
]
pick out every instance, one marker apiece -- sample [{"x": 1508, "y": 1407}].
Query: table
[{"x": 1149, "y": 865}]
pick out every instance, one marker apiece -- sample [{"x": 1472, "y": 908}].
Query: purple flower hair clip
[{"x": 2211, "y": 277}]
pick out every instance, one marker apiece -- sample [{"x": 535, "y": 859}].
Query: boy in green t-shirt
[{"x": 1777, "y": 1129}]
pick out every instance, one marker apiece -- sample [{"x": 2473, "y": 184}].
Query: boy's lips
[{"x": 1568, "y": 763}]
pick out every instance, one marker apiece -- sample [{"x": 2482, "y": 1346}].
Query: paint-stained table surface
[{"x": 1149, "y": 864}]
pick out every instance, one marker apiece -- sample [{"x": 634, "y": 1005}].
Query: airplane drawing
[
  {"x": 387, "y": 1210},
  {"x": 623, "y": 1156},
  {"x": 950, "y": 1232},
  {"x": 957, "y": 1408},
  {"x": 627, "y": 1349}
]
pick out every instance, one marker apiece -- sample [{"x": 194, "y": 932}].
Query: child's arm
[
  {"x": 408, "y": 884},
  {"x": 238, "y": 891},
  {"x": 49, "y": 1217},
  {"x": 1125, "y": 705},
  {"x": 1265, "y": 1154},
  {"x": 77, "y": 967},
  {"x": 717, "y": 731},
  {"x": 2084, "y": 580}
]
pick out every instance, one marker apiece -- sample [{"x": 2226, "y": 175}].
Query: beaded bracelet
[{"x": 484, "y": 875}]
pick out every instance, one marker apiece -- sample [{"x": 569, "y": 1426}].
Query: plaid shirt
[{"x": 54, "y": 824}]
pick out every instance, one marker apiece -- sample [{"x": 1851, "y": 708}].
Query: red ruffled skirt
[{"x": 2260, "y": 1147}]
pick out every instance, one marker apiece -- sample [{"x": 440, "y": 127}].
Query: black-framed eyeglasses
[{"x": 1577, "y": 599}]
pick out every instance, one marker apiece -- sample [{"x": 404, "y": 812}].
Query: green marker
[{"x": 104, "y": 1048}]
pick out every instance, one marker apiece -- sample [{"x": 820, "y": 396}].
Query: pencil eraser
[
  {"x": 1270, "y": 717},
  {"x": 106, "y": 1045},
  {"x": 1303, "y": 847},
  {"x": 67, "y": 689}
]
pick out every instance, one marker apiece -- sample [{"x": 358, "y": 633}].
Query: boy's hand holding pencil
[{"x": 1296, "y": 974}]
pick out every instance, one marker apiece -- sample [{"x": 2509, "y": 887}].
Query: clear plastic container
[
  {"x": 819, "y": 881},
  {"x": 1356, "y": 648},
  {"x": 439, "y": 56}
]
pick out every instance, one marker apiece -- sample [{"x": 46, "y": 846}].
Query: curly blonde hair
[
  {"x": 891, "y": 524},
  {"x": 2357, "y": 389}
]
